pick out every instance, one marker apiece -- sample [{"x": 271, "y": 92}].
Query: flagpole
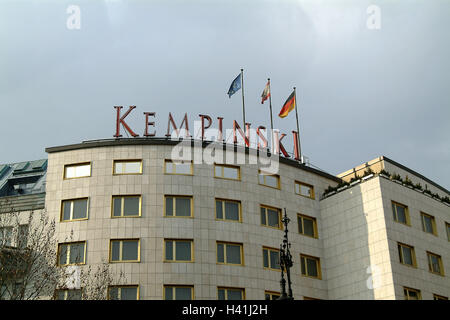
[
  {"x": 271, "y": 118},
  {"x": 243, "y": 105},
  {"x": 298, "y": 130}
]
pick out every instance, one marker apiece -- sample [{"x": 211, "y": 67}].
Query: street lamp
[{"x": 285, "y": 262}]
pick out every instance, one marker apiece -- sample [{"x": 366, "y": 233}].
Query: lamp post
[{"x": 285, "y": 262}]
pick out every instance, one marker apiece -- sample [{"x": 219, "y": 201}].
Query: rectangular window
[
  {"x": 411, "y": 294},
  {"x": 227, "y": 172},
  {"x": 435, "y": 263},
  {"x": 270, "y": 217},
  {"x": 230, "y": 253},
  {"x": 271, "y": 295},
  {"x": 127, "y": 167},
  {"x": 406, "y": 255},
  {"x": 178, "y": 206},
  {"x": 74, "y": 209},
  {"x": 310, "y": 266},
  {"x": 447, "y": 226},
  {"x": 307, "y": 226},
  {"x": 271, "y": 258},
  {"x": 178, "y": 292},
  {"x": 72, "y": 253},
  {"x": 269, "y": 180},
  {"x": 126, "y": 250},
  {"x": 79, "y": 170},
  {"x": 129, "y": 292},
  {"x": 304, "y": 189},
  {"x": 438, "y": 297},
  {"x": 224, "y": 293},
  {"x": 68, "y": 294},
  {"x": 400, "y": 213},
  {"x": 6, "y": 235},
  {"x": 126, "y": 206},
  {"x": 428, "y": 223},
  {"x": 178, "y": 250},
  {"x": 178, "y": 167},
  {"x": 228, "y": 210},
  {"x": 22, "y": 236}
]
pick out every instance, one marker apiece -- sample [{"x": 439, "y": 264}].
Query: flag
[
  {"x": 266, "y": 93},
  {"x": 288, "y": 106},
  {"x": 235, "y": 86}
]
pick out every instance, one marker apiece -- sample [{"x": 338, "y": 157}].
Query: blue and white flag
[{"x": 235, "y": 85}]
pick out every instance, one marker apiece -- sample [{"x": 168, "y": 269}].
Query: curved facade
[{"x": 228, "y": 216}]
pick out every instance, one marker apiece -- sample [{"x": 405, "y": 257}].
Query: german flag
[{"x": 288, "y": 106}]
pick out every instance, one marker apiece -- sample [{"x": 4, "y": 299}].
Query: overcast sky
[{"x": 361, "y": 92}]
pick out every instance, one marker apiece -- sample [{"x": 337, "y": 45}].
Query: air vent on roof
[
  {"x": 38, "y": 164},
  {"x": 21, "y": 166},
  {"x": 3, "y": 169}
]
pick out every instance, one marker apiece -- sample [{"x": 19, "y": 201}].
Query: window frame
[
  {"x": 223, "y": 200},
  {"x": 121, "y": 251},
  {"x": 270, "y": 264},
  {"x": 395, "y": 215},
  {"x": 264, "y": 174},
  {"x": 318, "y": 266},
  {"x": 66, "y": 293},
  {"x": 120, "y": 291},
  {"x": 78, "y": 164},
  {"x": 299, "y": 183},
  {"x": 441, "y": 265},
  {"x": 271, "y": 294},
  {"x": 7, "y": 239},
  {"x": 122, "y": 202},
  {"x": 439, "y": 297},
  {"x": 174, "y": 167},
  {"x": 222, "y": 166},
  {"x": 174, "y": 206},
  {"x": 191, "y": 241},
  {"x": 114, "y": 173},
  {"x": 406, "y": 293},
  {"x": 433, "y": 223},
  {"x": 174, "y": 286},
  {"x": 225, "y": 243},
  {"x": 266, "y": 207},
  {"x": 61, "y": 215},
  {"x": 401, "y": 257},
  {"x": 314, "y": 220},
  {"x": 230, "y": 288},
  {"x": 447, "y": 226},
  {"x": 68, "y": 253}
]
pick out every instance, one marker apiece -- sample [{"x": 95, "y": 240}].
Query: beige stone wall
[{"x": 151, "y": 273}]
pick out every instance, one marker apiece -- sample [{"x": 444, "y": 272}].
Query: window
[
  {"x": 271, "y": 295},
  {"x": 438, "y": 297},
  {"x": 178, "y": 292},
  {"x": 22, "y": 236},
  {"x": 178, "y": 206},
  {"x": 178, "y": 167},
  {"x": 78, "y": 170},
  {"x": 123, "y": 292},
  {"x": 68, "y": 294},
  {"x": 269, "y": 180},
  {"x": 224, "y": 293},
  {"x": 230, "y": 253},
  {"x": 428, "y": 223},
  {"x": 74, "y": 209},
  {"x": 126, "y": 206},
  {"x": 304, "y": 189},
  {"x": 411, "y": 294},
  {"x": 178, "y": 250},
  {"x": 447, "y": 226},
  {"x": 271, "y": 258},
  {"x": 310, "y": 266},
  {"x": 126, "y": 250},
  {"x": 72, "y": 253},
  {"x": 307, "y": 226},
  {"x": 227, "y": 172},
  {"x": 400, "y": 212},
  {"x": 271, "y": 217},
  {"x": 406, "y": 255},
  {"x": 435, "y": 263},
  {"x": 127, "y": 167},
  {"x": 6, "y": 236},
  {"x": 228, "y": 210}
]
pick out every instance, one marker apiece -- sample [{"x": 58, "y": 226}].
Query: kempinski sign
[{"x": 203, "y": 127}]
